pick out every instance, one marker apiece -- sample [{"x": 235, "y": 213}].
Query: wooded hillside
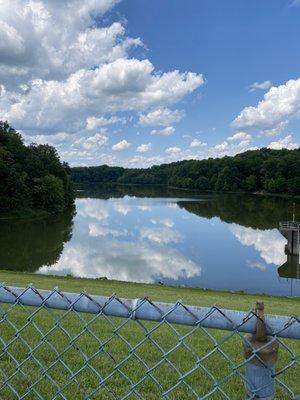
[{"x": 273, "y": 171}]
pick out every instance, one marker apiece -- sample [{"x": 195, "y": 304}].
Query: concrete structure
[
  {"x": 290, "y": 270},
  {"x": 291, "y": 231}
]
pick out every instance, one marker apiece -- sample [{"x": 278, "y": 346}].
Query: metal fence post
[{"x": 261, "y": 353}]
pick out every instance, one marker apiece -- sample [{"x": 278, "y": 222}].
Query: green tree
[
  {"x": 32, "y": 176},
  {"x": 250, "y": 184},
  {"x": 202, "y": 184},
  {"x": 49, "y": 193}
]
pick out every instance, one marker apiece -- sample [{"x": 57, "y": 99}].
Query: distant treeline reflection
[
  {"x": 257, "y": 212},
  {"x": 251, "y": 211}
]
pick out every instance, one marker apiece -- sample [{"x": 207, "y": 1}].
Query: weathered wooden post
[{"x": 260, "y": 368}]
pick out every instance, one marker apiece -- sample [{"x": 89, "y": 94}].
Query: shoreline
[{"x": 209, "y": 192}]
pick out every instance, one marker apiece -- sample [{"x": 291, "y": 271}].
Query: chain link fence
[{"x": 56, "y": 345}]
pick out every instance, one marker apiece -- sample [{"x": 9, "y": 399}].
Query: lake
[{"x": 228, "y": 242}]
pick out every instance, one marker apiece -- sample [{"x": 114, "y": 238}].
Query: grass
[
  {"x": 107, "y": 343},
  {"x": 169, "y": 294}
]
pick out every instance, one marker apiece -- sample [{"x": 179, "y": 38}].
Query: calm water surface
[{"x": 148, "y": 235}]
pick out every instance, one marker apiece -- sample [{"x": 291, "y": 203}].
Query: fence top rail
[{"x": 145, "y": 309}]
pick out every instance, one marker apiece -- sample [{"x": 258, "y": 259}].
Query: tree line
[
  {"x": 32, "y": 177},
  {"x": 263, "y": 170}
]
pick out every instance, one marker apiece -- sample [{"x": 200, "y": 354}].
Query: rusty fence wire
[{"x": 56, "y": 345}]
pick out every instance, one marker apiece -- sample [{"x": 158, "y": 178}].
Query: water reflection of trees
[
  {"x": 255, "y": 211},
  {"x": 26, "y": 245},
  {"x": 251, "y": 211},
  {"x": 118, "y": 191},
  {"x": 291, "y": 268}
]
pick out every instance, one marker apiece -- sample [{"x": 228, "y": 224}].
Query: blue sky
[{"x": 139, "y": 82}]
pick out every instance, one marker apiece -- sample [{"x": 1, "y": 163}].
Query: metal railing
[
  {"x": 56, "y": 345},
  {"x": 294, "y": 225}
]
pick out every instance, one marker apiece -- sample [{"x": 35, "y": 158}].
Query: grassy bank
[
  {"x": 168, "y": 294},
  {"x": 108, "y": 343}
]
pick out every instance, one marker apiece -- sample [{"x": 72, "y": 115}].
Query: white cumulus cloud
[
  {"x": 94, "y": 122},
  {"x": 284, "y": 143},
  {"x": 120, "y": 146},
  {"x": 168, "y": 131},
  {"x": 122, "y": 85},
  {"x": 161, "y": 116},
  {"x": 239, "y": 136},
  {"x": 197, "y": 143},
  {"x": 279, "y": 104},
  {"x": 238, "y": 143},
  {"x": 65, "y": 68},
  {"x": 172, "y": 150},
  {"x": 143, "y": 148},
  {"x": 98, "y": 140},
  {"x": 35, "y": 40}
]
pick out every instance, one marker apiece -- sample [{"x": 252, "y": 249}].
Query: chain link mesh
[{"x": 49, "y": 354}]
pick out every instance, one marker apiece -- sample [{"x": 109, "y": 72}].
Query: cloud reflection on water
[
  {"x": 98, "y": 248},
  {"x": 145, "y": 239},
  {"x": 122, "y": 260},
  {"x": 269, "y": 243},
  {"x": 161, "y": 235},
  {"x": 163, "y": 221},
  {"x": 100, "y": 230}
]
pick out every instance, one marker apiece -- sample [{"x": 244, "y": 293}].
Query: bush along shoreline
[{"x": 34, "y": 182}]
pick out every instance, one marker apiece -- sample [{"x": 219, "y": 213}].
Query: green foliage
[
  {"x": 274, "y": 171},
  {"x": 93, "y": 175},
  {"x": 203, "y": 184},
  {"x": 49, "y": 192},
  {"x": 32, "y": 177}
]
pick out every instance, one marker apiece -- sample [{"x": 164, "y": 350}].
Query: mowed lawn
[{"x": 59, "y": 355}]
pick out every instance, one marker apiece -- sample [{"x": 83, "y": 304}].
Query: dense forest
[
  {"x": 272, "y": 171},
  {"x": 32, "y": 177}
]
